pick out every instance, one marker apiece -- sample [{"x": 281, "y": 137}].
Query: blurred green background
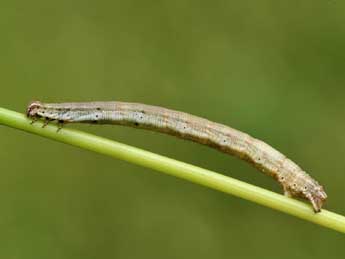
[{"x": 274, "y": 69}]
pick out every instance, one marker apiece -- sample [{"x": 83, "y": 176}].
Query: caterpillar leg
[
  {"x": 60, "y": 125},
  {"x": 46, "y": 122},
  {"x": 316, "y": 202},
  {"x": 34, "y": 119},
  {"x": 287, "y": 193}
]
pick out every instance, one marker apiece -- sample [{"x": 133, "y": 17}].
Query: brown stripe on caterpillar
[{"x": 294, "y": 180}]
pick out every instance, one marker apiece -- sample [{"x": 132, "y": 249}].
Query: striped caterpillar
[{"x": 295, "y": 182}]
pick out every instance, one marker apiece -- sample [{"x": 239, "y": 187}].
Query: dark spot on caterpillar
[
  {"x": 43, "y": 112},
  {"x": 61, "y": 121},
  {"x": 98, "y": 109},
  {"x": 96, "y": 115},
  {"x": 142, "y": 111}
]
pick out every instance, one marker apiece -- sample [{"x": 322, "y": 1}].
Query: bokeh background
[{"x": 274, "y": 69}]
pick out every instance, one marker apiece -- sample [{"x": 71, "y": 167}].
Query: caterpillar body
[{"x": 295, "y": 182}]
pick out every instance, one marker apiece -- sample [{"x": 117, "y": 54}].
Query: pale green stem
[{"x": 176, "y": 168}]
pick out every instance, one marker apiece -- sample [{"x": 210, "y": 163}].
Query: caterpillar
[{"x": 295, "y": 181}]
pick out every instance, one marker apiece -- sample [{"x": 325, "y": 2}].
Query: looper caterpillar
[{"x": 294, "y": 180}]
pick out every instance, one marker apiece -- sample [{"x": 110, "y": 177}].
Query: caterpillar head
[{"x": 33, "y": 108}]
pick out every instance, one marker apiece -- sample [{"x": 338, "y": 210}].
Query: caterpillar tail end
[{"x": 317, "y": 198}]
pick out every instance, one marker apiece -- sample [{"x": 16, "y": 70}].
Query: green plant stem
[{"x": 176, "y": 168}]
